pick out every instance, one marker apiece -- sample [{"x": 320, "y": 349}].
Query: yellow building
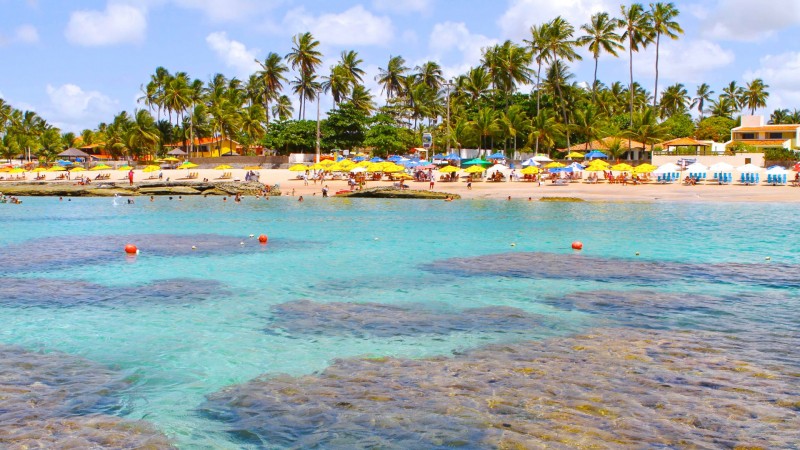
[
  {"x": 210, "y": 147},
  {"x": 754, "y": 133}
]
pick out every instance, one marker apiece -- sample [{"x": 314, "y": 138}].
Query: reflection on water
[
  {"x": 304, "y": 317},
  {"x": 621, "y": 388},
  {"x": 55, "y": 400},
  {"x": 580, "y": 267}
]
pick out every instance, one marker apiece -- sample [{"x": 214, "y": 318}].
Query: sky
[{"x": 80, "y": 62}]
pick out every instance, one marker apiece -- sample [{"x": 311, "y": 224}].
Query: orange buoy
[
  {"x": 263, "y": 239},
  {"x": 131, "y": 249},
  {"x": 577, "y": 245}
]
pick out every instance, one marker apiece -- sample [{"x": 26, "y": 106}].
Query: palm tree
[
  {"x": 391, "y": 77},
  {"x": 510, "y": 62},
  {"x": 430, "y": 74},
  {"x": 674, "y": 101},
  {"x": 755, "y": 95},
  {"x": 639, "y": 33},
  {"x": 556, "y": 82},
  {"x": 663, "y": 15},
  {"x": 485, "y": 124},
  {"x": 646, "y": 129},
  {"x": 143, "y": 136},
  {"x": 779, "y": 116},
  {"x": 361, "y": 99},
  {"x": 305, "y": 58},
  {"x": 723, "y": 107},
  {"x": 702, "y": 95},
  {"x": 545, "y": 129},
  {"x": 589, "y": 123},
  {"x": 539, "y": 53},
  {"x": 283, "y": 109},
  {"x": 306, "y": 87},
  {"x": 351, "y": 62},
  {"x": 475, "y": 83},
  {"x": 252, "y": 122},
  {"x": 600, "y": 36},
  {"x": 513, "y": 122},
  {"x": 560, "y": 46},
  {"x": 273, "y": 75},
  {"x": 337, "y": 83},
  {"x": 733, "y": 93}
]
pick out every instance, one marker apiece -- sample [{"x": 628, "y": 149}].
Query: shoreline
[{"x": 289, "y": 185}]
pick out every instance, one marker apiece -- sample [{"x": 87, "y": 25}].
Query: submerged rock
[
  {"x": 581, "y": 267},
  {"x": 304, "y": 317},
  {"x": 611, "y": 388},
  {"x": 55, "y": 400},
  {"x": 388, "y": 192}
]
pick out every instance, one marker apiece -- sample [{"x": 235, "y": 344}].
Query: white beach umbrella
[
  {"x": 358, "y": 169},
  {"x": 721, "y": 167},
  {"x": 541, "y": 158},
  {"x": 530, "y": 162},
  {"x": 776, "y": 170},
  {"x": 697, "y": 168},
  {"x": 667, "y": 168},
  {"x": 498, "y": 167},
  {"x": 749, "y": 168}
]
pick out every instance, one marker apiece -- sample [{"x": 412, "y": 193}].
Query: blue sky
[{"x": 78, "y": 63}]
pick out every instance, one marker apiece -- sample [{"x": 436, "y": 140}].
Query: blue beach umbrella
[
  {"x": 452, "y": 157},
  {"x": 594, "y": 154},
  {"x": 359, "y": 159},
  {"x": 376, "y": 159},
  {"x": 497, "y": 155},
  {"x": 394, "y": 158},
  {"x": 439, "y": 156}
]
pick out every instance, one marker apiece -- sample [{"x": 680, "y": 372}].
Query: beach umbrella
[
  {"x": 599, "y": 162},
  {"x": 403, "y": 176},
  {"x": 776, "y": 170},
  {"x": 20, "y": 170},
  {"x": 77, "y": 169},
  {"x": 696, "y": 168},
  {"x": 595, "y": 154},
  {"x": 595, "y": 168},
  {"x": 449, "y": 169},
  {"x": 644, "y": 168},
  {"x": 39, "y": 169},
  {"x": 496, "y": 155},
  {"x": 394, "y": 158},
  {"x": 721, "y": 167},
  {"x": 796, "y": 167},
  {"x": 530, "y": 162},
  {"x": 187, "y": 165},
  {"x": 56, "y": 169},
  {"x": 125, "y": 167},
  {"x": 151, "y": 168},
  {"x": 252, "y": 168},
  {"x": 171, "y": 159},
  {"x": 749, "y": 168},
  {"x": 577, "y": 166},
  {"x": 326, "y": 163},
  {"x": 475, "y": 161},
  {"x": 375, "y": 167},
  {"x": 299, "y": 168},
  {"x": 498, "y": 168},
  {"x": 393, "y": 168},
  {"x": 554, "y": 165},
  {"x": 452, "y": 157},
  {"x": 530, "y": 170},
  {"x": 622, "y": 167},
  {"x": 475, "y": 169},
  {"x": 376, "y": 160},
  {"x": 574, "y": 155},
  {"x": 100, "y": 167},
  {"x": 541, "y": 158},
  {"x": 223, "y": 167},
  {"x": 667, "y": 168},
  {"x": 358, "y": 169}
]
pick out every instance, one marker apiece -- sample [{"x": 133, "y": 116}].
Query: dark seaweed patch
[
  {"x": 304, "y": 317},
  {"x": 24, "y": 292}
]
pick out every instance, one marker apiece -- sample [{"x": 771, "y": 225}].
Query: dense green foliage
[{"x": 483, "y": 107}]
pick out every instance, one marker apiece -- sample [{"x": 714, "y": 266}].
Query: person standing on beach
[
  {"x": 130, "y": 177},
  {"x": 433, "y": 181},
  {"x": 325, "y": 191}
]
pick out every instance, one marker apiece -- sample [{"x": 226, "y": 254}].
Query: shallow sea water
[{"x": 192, "y": 331}]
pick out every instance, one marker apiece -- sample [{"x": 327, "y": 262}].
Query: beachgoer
[
  {"x": 130, "y": 177},
  {"x": 431, "y": 183},
  {"x": 325, "y": 191},
  {"x": 300, "y": 199},
  {"x": 152, "y": 199}
]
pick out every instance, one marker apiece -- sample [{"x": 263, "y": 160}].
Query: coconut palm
[
  {"x": 338, "y": 83},
  {"x": 282, "y": 109},
  {"x": 779, "y": 116},
  {"x": 560, "y": 45},
  {"x": 351, "y": 62},
  {"x": 723, "y": 107},
  {"x": 306, "y": 87},
  {"x": 361, "y": 98},
  {"x": 475, "y": 83},
  {"x": 663, "y": 21},
  {"x": 305, "y": 58},
  {"x": 430, "y": 74},
  {"x": 545, "y": 129},
  {"x": 755, "y": 95},
  {"x": 273, "y": 75},
  {"x": 600, "y": 37},
  {"x": 391, "y": 78},
  {"x": 589, "y": 123},
  {"x": 485, "y": 124},
  {"x": 674, "y": 101},
  {"x": 252, "y": 122},
  {"x": 734, "y": 94},
  {"x": 636, "y": 23},
  {"x": 556, "y": 82},
  {"x": 702, "y": 96},
  {"x": 514, "y": 122},
  {"x": 646, "y": 129},
  {"x": 143, "y": 136},
  {"x": 539, "y": 53}
]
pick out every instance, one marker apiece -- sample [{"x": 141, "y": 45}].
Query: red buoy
[
  {"x": 263, "y": 239},
  {"x": 577, "y": 245},
  {"x": 131, "y": 249}
]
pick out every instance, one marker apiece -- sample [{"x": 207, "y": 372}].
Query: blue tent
[
  {"x": 359, "y": 159},
  {"x": 376, "y": 159},
  {"x": 452, "y": 157},
  {"x": 439, "y": 156},
  {"x": 394, "y": 158},
  {"x": 595, "y": 154},
  {"x": 497, "y": 155}
]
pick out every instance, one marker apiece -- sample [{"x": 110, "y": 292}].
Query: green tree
[
  {"x": 663, "y": 17},
  {"x": 702, "y": 96},
  {"x": 638, "y": 31},
  {"x": 674, "y": 101},
  {"x": 345, "y": 127},
  {"x": 600, "y": 37},
  {"x": 485, "y": 124},
  {"x": 384, "y": 138},
  {"x": 273, "y": 75},
  {"x": 560, "y": 46},
  {"x": 755, "y": 95},
  {"x": 679, "y": 125},
  {"x": 391, "y": 78},
  {"x": 717, "y": 129},
  {"x": 304, "y": 58},
  {"x": 545, "y": 130}
]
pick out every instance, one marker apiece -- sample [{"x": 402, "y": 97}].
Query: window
[
  {"x": 748, "y": 160},
  {"x": 748, "y": 135},
  {"x": 776, "y": 135}
]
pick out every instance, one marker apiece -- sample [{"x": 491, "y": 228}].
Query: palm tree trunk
[
  {"x": 630, "y": 86},
  {"x": 655, "y": 92},
  {"x": 563, "y": 111},
  {"x": 594, "y": 85}
]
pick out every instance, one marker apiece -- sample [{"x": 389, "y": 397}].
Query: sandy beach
[{"x": 518, "y": 190}]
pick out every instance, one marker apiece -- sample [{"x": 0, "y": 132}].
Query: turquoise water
[{"x": 339, "y": 250}]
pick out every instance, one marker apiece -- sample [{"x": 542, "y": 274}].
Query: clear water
[{"x": 335, "y": 250}]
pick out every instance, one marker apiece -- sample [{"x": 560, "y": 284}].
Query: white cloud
[
  {"x": 780, "y": 73},
  {"x": 403, "y": 6},
  {"x": 227, "y": 10},
  {"x": 356, "y": 26},
  {"x": 235, "y": 54},
  {"x": 72, "y": 109},
  {"x": 745, "y": 20},
  {"x": 685, "y": 61},
  {"x": 27, "y": 34},
  {"x": 516, "y": 22},
  {"x": 118, "y": 24},
  {"x": 448, "y": 36}
]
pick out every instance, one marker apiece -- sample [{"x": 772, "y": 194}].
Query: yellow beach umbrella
[
  {"x": 17, "y": 170},
  {"x": 393, "y": 168},
  {"x": 530, "y": 170},
  {"x": 253, "y": 168},
  {"x": 125, "y": 167},
  {"x": 171, "y": 159},
  {"x": 100, "y": 167},
  {"x": 223, "y": 167},
  {"x": 5, "y": 169},
  {"x": 56, "y": 169},
  {"x": 404, "y": 176},
  {"x": 375, "y": 167},
  {"x": 644, "y": 168},
  {"x": 299, "y": 168},
  {"x": 597, "y": 168},
  {"x": 598, "y": 164},
  {"x": 622, "y": 167},
  {"x": 326, "y": 163},
  {"x": 346, "y": 164},
  {"x": 555, "y": 165},
  {"x": 449, "y": 169},
  {"x": 187, "y": 165},
  {"x": 574, "y": 155},
  {"x": 477, "y": 168},
  {"x": 151, "y": 168},
  {"x": 364, "y": 163},
  {"x": 77, "y": 169},
  {"x": 337, "y": 168},
  {"x": 39, "y": 169}
]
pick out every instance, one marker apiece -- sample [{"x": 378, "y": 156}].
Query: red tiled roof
[
  {"x": 773, "y": 128},
  {"x": 761, "y": 143},
  {"x": 602, "y": 144},
  {"x": 200, "y": 141},
  {"x": 684, "y": 141}
]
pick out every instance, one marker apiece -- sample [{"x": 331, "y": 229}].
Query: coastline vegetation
[{"x": 522, "y": 96}]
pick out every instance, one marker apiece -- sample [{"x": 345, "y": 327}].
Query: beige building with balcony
[{"x": 756, "y": 134}]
